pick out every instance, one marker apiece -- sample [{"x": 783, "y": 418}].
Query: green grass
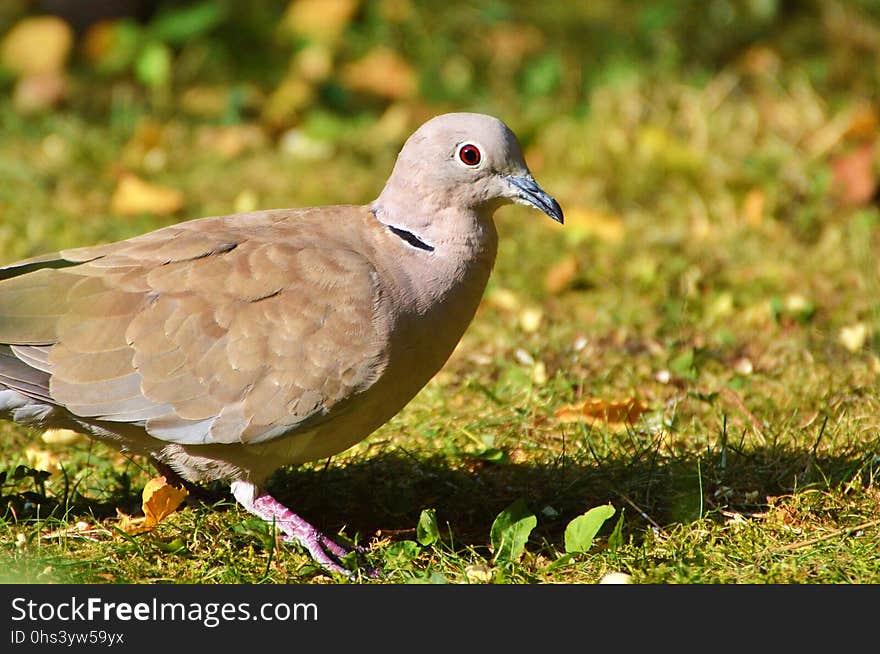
[{"x": 757, "y": 459}]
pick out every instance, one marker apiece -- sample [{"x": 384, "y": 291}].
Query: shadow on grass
[{"x": 386, "y": 493}]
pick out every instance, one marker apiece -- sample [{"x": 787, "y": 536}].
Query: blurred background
[{"x": 717, "y": 276}]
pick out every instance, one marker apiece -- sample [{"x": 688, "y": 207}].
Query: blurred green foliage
[{"x": 491, "y": 53}]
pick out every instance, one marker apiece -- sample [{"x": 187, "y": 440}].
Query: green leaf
[
  {"x": 493, "y": 455},
  {"x": 177, "y": 26},
  {"x": 510, "y": 531},
  {"x": 580, "y": 532},
  {"x": 615, "y": 540},
  {"x": 401, "y": 552},
  {"x": 427, "y": 532},
  {"x": 153, "y": 65}
]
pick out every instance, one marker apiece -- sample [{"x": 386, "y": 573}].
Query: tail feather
[{"x": 17, "y": 375}]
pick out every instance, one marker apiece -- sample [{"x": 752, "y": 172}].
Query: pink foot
[{"x": 325, "y": 551}]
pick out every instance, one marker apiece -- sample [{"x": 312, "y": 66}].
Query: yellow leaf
[
  {"x": 530, "y": 320},
  {"x": 41, "y": 459},
  {"x": 617, "y": 414},
  {"x": 381, "y": 72},
  {"x": 539, "y": 373},
  {"x": 62, "y": 437},
  {"x": 36, "y": 46},
  {"x": 504, "y": 299},
  {"x": 582, "y": 223},
  {"x": 753, "y": 207},
  {"x": 160, "y": 499},
  {"x": 322, "y": 20},
  {"x": 134, "y": 196},
  {"x": 560, "y": 275},
  {"x": 854, "y": 336}
]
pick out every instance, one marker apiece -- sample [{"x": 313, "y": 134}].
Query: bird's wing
[{"x": 213, "y": 331}]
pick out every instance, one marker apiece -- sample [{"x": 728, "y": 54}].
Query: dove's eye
[{"x": 469, "y": 155}]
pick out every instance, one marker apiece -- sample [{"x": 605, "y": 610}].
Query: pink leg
[{"x": 293, "y": 527}]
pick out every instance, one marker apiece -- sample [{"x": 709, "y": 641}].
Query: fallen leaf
[
  {"x": 530, "y": 320},
  {"x": 510, "y": 531},
  {"x": 39, "y": 92},
  {"x": 381, "y": 72},
  {"x": 853, "y": 337},
  {"x": 580, "y": 532},
  {"x": 863, "y": 123},
  {"x": 539, "y": 373},
  {"x": 41, "y": 459},
  {"x": 582, "y": 223},
  {"x": 229, "y": 141},
  {"x": 617, "y": 414},
  {"x": 160, "y": 499},
  {"x": 504, "y": 299},
  {"x": 134, "y": 196},
  {"x": 854, "y": 180},
  {"x": 62, "y": 437},
  {"x": 560, "y": 275},
  {"x": 322, "y": 20},
  {"x": 754, "y": 205},
  {"x": 36, "y": 45}
]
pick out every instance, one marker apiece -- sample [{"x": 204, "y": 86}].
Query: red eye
[{"x": 469, "y": 154}]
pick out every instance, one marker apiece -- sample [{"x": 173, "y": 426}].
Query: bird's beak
[{"x": 526, "y": 191}]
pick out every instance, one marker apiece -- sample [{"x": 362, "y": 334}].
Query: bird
[{"x": 226, "y": 347}]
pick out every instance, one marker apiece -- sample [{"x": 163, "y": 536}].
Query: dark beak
[{"x": 526, "y": 191}]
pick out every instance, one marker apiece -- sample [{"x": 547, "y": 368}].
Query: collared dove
[{"x": 227, "y": 347}]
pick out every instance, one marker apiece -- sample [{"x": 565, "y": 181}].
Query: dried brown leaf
[
  {"x": 39, "y": 92},
  {"x": 854, "y": 180},
  {"x": 560, "y": 275},
  {"x": 160, "y": 499},
  {"x": 134, "y": 196},
  {"x": 754, "y": 205},
  {"x": 381, "y": 72},
  {"x": 617, "y": 413}
]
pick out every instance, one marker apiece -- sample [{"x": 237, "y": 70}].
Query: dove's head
[{"x": 465, "y": 162}]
